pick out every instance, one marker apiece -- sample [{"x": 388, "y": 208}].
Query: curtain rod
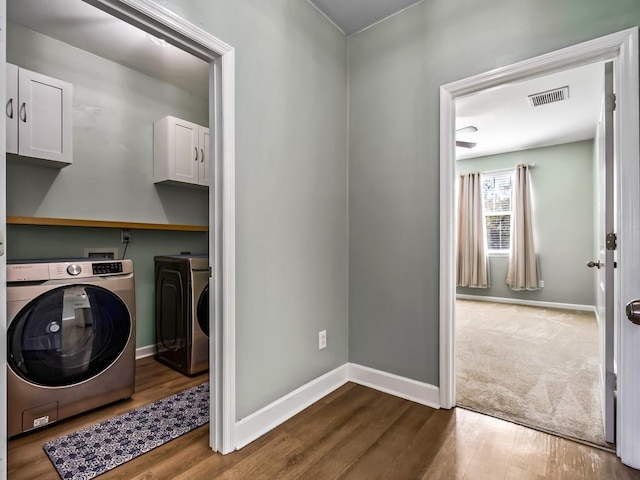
[{"x": 509, "y": 169}]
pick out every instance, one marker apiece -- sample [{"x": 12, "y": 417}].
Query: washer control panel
[
  {"x": 107, "y": 268},
  {"x": 42, "y": 271}
]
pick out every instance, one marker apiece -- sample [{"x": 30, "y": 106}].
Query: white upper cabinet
[
  {"x": 39, "y": 115},
  {"x": 180, "y": 152},
  {"x": 203, "y": 169}
]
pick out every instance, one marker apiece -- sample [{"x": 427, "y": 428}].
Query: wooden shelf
[{"x": 70, "y": 222}]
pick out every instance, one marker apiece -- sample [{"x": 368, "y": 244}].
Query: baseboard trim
[
  {"x": 143, "y": 352},
  {"x": 529, "y": 303},
  {"x": 419, "y": 392},
  {"x": 266, "y": 419}
]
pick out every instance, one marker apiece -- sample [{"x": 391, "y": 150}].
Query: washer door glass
[
  {"x": 203, "y": 310},
  {"x": 68, "y": 335}
]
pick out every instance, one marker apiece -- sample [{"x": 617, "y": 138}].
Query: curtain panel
[
  {"x": 471, "y": 248},
  {"x": 523, "y": 272}
]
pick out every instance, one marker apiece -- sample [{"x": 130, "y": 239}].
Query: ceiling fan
[{"x": 469, "y": 129}]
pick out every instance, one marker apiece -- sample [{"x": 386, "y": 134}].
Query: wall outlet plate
[
  {"x": 322, "y": 339},
  {"x": 106, "y": 253},
  {"x": 125, "y": 236}
]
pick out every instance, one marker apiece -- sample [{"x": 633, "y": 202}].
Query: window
[{"x": 496, "y": 197}]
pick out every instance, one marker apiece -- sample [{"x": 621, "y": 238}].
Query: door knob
[
  {"x": 633, "y": 311},
  {"x": 592, "y": 264}
]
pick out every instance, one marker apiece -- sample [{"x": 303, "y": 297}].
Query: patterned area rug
[{"x": 90, "y": 452}]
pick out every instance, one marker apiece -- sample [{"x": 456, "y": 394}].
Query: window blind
[{"x": 496, "y": 194}]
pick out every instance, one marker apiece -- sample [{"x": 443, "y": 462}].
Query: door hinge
[
  {"x": 612, "y": 380},
  {"x": 612, "y": 241},
  {"x": 611, "y": 102},
  {"x": 210, "y": 272}
]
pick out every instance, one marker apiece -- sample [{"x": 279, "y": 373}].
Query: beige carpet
[{"x": 530, "y": 365}]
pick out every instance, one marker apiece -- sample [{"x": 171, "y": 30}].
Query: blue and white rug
[{"x": 89, "y": 452}]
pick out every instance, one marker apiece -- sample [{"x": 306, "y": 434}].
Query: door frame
[
  {"x": 622, "y": 47},
  {"x": 3, "y": 257},
  {"x": 162, "y": 22}
]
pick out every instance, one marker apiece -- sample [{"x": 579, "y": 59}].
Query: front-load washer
[
  {"x": 182, "y": 312},
  {"x": 70, "y": 338}
]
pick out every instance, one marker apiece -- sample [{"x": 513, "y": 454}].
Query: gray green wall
[
  {"x": 395, "y": 71},
  {"x": 563, "y": 204}
]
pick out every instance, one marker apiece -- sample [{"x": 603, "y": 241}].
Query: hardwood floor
[{"x": 353, "y": 433}]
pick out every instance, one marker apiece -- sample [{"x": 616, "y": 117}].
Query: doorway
[
  {"x": 617, "y": 47},
  {"x": 531, "y": 355},
  {"x": 163, "y": 24}
]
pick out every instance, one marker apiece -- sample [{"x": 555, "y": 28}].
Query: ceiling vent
[{"x": 550, "y": 96}]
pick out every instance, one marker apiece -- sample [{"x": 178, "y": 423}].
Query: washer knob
[{"x": 74, "y": 269}]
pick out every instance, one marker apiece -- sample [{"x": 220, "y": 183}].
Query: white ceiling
[
  {"x": 506, "y": 122},
  {"x": 502, "y": 115},
  {"x": 351, "y": 16},
  {"x": 89, "y": 28}
]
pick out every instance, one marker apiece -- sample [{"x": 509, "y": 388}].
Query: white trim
[
  {"x": 447, "y": 250},
  {"x": 144, "y": 352},
  {"x": 162, "y": 22},
  {"x": 529, "y": 303},
  {"x": 419, "y": 392},
  {"x": 266, "y": 419},
  {"x": 225, "y": 248},
  {"x": 623, "y": 48}
]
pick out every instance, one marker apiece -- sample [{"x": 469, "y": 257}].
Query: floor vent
[{"x": 550, "y": 96}]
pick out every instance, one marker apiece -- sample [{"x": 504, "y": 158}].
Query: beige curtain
[
  {"x": 472, "y": 257},
  {"x": 523, "y": 263}
]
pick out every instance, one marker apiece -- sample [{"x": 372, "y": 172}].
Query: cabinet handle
[
  {"x": 23, "y": 112},
  {"x": 202, "y": 155},
  {"x": 10, "y": 108},
  {"x": 196, "y": 149}
]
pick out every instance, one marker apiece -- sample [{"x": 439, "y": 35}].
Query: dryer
[
  {"x": 70, "y": 338},
  {"x": 182, "y": 312}
]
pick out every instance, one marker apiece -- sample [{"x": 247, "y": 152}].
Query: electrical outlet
[
  {"x": 541, "y": 283},
  {"x": 125, "y": 236},
  {"x": 322, "y": 339}
]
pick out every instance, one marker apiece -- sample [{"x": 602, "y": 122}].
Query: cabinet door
[
  {"x": 11, "y": 108},
  {"x": 185, "y": 150},
  {"x": 45, "y": 117},
  {"x": 203, "y": 169}
]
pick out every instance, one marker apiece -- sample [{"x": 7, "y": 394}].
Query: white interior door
[{"x": 604, "y": 264}]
